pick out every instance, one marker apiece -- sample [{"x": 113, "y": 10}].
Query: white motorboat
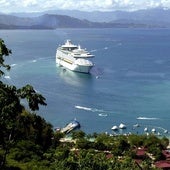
[
  {"x": 165, "y": 131},
  {"x": 153, "y": 130},
  {"x": 145, "y": 129},
  {"x": 74, "y": 58},
  {"x": 136, "y": 125},
  {"x": 114, "y": 128},
  {"x": 122, "y": 126}
]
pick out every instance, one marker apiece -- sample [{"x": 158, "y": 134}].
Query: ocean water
[{"x": 129, "y": 84}]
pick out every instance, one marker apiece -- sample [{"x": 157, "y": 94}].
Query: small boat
[
  {"x": 122, "y": 126},
  {"x": 165, "y": 131},
  {"x": 102, "y": 114},
  {"x": 57, "y": 129},
  {"x": 71, "y": 126},
  {"x": 114, "y": 128},
  {"x": 153, "y": 130},
  {"x": 136, "y": 125},
  {"x": 158, "y": 134},
  {"x": 145, "y": 129}
]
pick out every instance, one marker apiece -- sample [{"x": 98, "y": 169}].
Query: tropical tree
[
  {"x": 4, "y": 51},
  {"x": 9, "y": 113},
  {"x": 33, "y": 98},
  {"x": 78, "y": 134},
  {"x": 11, "y": 107}
]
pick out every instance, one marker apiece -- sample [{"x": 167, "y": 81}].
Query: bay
[{"x": 129, "y": 84}]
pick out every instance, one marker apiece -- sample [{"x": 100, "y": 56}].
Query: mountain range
[{"x": 157, "y": 17}]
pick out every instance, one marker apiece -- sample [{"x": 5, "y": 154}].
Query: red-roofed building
[
  {"x": 141, "y": 153},
  {"x": 166, "y": 153},
  {"x": 164, "y": 164}
]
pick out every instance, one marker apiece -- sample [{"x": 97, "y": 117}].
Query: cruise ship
[{"x": 74, "y": 58}]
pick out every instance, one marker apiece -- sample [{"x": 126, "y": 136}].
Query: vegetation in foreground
[{"x": 27, "y": 141}]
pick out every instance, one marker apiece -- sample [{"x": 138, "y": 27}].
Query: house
[{"x": 163, "y": 164}]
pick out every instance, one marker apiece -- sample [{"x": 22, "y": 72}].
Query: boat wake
[
  {"x": 147, "y": 118},
  {"x": 13, "y": 65},
  {"x": 7, "y": 77},
  {"x": 32, "y": 61},
  {"x": 96, "y": 71},
  {"x": 101, "y": 113},
  {"x": 89, "y": 109}
]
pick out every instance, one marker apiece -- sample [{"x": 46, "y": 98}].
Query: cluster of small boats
[
  {"x": 121, "y": 126},
  {"x": 153, "y": 130},
  {"x": 157, "y": 131}
]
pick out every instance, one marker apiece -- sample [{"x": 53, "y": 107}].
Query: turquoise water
[{"x": 129, "y": 84}]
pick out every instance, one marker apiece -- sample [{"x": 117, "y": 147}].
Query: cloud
[
  {"x": 86, "y": 5},
  {"x": 27, "y": 3},
  {"x": 4, "y": 3},
  {"x": 91, "y": 5}
]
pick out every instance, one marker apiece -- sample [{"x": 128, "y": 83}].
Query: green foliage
[
  {"x": 9, "y": 112},
  {"x": 34, "y": 128},
  {"x": 78, "y": 134},
  {"x": 25, "y": 151},
  {"x": 84, "y": 144},
  {"x": 137, "y": 140},
  {"x": 11, "y": 116},
  {"x": 4, "y": 51},
  {"x": 33, "y": 98},
  {"x": 61, "y": 153},
  {"x": 104, "y": 142},
  {"x": 56, "y": 139},
  {"x": 164, "y": 142}
]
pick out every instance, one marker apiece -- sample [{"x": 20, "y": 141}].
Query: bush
[{"x": 26, "y": 151}]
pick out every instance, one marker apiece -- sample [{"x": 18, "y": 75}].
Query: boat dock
[{"x": 71, "y": 126}]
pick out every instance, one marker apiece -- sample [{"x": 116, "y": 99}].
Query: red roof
[
  {"x": 140, "y": 151},
  {"x": 162, "y": 164},
  {"x": 109, "y": 156},
  {"x": 166, "y": 153}
]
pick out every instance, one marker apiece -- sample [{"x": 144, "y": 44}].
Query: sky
[{"x": 9, "y": 6}]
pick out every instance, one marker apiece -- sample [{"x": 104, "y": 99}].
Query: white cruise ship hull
[{"x": 74, "y": 67}]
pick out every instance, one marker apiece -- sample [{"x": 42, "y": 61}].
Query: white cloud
[
  {"x": 4, "y": 3},
  {"x": 87, "y": 5},
  {"x": 27, "y": 3},
  {"x": 165, "y": 3}
]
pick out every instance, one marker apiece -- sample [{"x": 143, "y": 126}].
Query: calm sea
[{"x": 129, "y": 84}]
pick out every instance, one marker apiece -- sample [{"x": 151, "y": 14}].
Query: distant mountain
[
  {"x": 149, "y": 16},
  {"x": 78, "y": 19},
  {"x": 158, "y": 16},
  {"x": 108, "y": 16},
  {"x": 41, "y": 22},
  {"x": 49, "y": 21}
]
